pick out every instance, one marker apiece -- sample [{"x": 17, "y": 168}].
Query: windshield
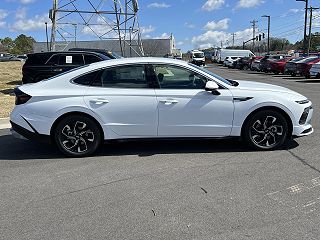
[
  {"x": 212, "y": 74},
  {"x": 308, "y": 60},
  {"x": 116, "y": 55},
  {"x": 198, "y": 55}
]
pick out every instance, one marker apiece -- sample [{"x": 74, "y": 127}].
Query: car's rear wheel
[
  {"x": 266, "y": 130},
  {"x": 77, "y": 136}
]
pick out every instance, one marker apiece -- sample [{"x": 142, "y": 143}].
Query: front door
[{"x": 186, "y": 109}]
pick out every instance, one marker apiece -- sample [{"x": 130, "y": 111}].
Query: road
[{"x": 165, "y": 189}]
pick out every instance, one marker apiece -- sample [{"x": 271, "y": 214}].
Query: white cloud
[
  {"x": 3, "y": 24},
  {"x": 163, "y": 36},
  {"x": 223, "y": 24},
  {"x": 249, "y": 3},
  {"x": 189, "y": 25},
  {"x": 211, "y": 5},
  {"x": 27, "y": 1},
  {"x": 180, "y": 43},
  {"x": 146, "y": 30},
  {"x": 214, "y": 38},
  {"x": 21, "y": 13},
  {"x": 30, "y": 24},
  {"x": 158, "y": 5},
  {"x": 3, "y": 14}
]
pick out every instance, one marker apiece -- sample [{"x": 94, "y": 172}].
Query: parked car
[
  {"x": 243, "y": 63},
  {"x": 315, "y": 70},
  {"x": 9, "y": 58},
  {"x": 220, "y": 54},
  {"x": 134, "y": 98},
  {"x": 277, "y": 66},
  {"x": 39, "y": 66},
  {"x": 265, "y": 61},
  {"x": 255, "y": 65},
  {"x": 109, "y": 54},
  {"x": 228, "y": 61},
  {"x": 303, "y": 67},
  {"x": 290, "y": 67}
]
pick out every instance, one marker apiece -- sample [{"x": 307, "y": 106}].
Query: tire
[
  {"x": 266, "y": 130},
  {"x": 77, "y": 136}
]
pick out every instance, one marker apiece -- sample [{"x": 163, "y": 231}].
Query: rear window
[
  {"x": 91, "y": 59},
  {"x": 86, "y": 79},
  {"x": 37, "y": 59}
]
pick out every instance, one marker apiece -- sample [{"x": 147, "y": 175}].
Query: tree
[
  {"x": 7, "y": 44},
  {"x": 23, "y": 45}
]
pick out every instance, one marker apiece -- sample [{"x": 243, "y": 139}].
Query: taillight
[{"x": 21, "y": 97}]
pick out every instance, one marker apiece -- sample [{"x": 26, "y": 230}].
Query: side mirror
[{"x": 213, "y": 87}]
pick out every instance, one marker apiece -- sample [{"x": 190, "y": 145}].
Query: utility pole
[
  {"x": 254, "y": 33},
  {"x": 233, "y": 35},
  {"x": 221, "y": 44},
  {"x": 47, "y": 36},
  {"x": 267, "y": 16},
  {"x": 52, "y": 16},
  {"x": 310, "y": 27},
  {"x": 305, "y": 25}
]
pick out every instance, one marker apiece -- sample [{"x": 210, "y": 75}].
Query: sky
[{"x": 193, "y": 23}]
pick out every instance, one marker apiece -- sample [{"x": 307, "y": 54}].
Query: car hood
[{"x": 257, "y": 86}]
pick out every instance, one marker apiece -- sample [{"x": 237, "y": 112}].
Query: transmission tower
[{"x": 113, "y": 20}]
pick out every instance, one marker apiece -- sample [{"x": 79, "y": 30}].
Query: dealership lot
[{"x": 165, "y": 189}]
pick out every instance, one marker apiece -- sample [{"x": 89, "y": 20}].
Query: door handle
[
  {"x": 168, "y": 101},
  {"x": 99, "y": 101},
  {"x": 57, "y": 70}
]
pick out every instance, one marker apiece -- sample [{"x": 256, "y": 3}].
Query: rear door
[{"x": 125, "y": 101}]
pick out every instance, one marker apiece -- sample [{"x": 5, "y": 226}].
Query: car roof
[{"x": 121, "y": 61}]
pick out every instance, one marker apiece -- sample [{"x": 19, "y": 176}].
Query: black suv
[
  {"x": 39, "y": 66},
  {"x": 111, "y": 55}
]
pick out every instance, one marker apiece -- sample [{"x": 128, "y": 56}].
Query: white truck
[
  {"x": 197, "y": 57},
  {"x": 220, "y": 55}
]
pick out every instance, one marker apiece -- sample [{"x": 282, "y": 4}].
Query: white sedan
[{"x": 155, "y": 98}]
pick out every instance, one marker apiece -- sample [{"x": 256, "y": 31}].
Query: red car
[
  {"x": 278, "y": 66},
  {"x": 304, "y": 66}
]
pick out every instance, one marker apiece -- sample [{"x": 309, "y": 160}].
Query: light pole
[
  {"x": 305, "y": 24},
  {"x": 267, "y": 16}
]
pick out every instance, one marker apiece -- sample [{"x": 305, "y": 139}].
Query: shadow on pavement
[
  {"x": 309, "y": 81},
  {"x": 15, "y": 149}
]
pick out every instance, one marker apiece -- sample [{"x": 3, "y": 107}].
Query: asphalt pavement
[{"x": 208, "y": 189}]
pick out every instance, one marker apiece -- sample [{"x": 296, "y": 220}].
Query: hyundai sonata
[{"x": 155, "y": 98}]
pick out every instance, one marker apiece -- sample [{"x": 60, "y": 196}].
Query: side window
[
  {"x": 91, "y": 59},
  {"x": 53, "y": 60},
  {"x": 72, "y": 59},
  {"x": 86, "y": 79},
  {"x": 173, "y": 77},
  {"x": 133, "y": 76}
]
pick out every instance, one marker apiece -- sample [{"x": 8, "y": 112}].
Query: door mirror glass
[{"x": 211, "y": 86}]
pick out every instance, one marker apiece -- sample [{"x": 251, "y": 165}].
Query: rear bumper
[{"x": 22, "y": 133}]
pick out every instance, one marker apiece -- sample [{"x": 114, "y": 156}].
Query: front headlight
[{"x": 303, "y": 101}]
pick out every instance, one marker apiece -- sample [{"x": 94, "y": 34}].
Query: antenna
[{"x": 97, "y": 19}]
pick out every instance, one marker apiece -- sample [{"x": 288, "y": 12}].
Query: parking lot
[{"x": 207, "y": 189}]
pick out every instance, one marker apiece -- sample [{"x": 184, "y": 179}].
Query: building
[{"x": 151, "y": 47}]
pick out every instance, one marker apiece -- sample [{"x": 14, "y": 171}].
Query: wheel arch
[
  {"x": 277, "y": 109},
  {"x": 54, "y": 125}
]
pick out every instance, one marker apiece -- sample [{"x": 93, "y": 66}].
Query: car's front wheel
[
  {"x": 266, "y": 130},
  {"x": 77, "y": 136}
]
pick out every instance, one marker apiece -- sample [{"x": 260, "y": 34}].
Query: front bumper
[{"x": 304, "y": 129}]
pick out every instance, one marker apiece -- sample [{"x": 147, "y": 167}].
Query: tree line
[{"x": 22, "y": 44}]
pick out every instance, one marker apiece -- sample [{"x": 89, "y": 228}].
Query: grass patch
[{"x": 10, "y": 77}]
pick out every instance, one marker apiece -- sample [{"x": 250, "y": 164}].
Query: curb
[{"x": 4, "y": 123}]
